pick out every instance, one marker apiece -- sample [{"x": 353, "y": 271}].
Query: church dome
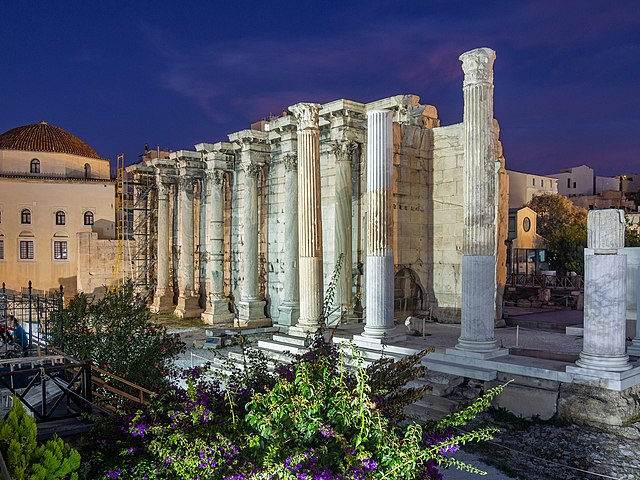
[{"x": 42, "y": 137}]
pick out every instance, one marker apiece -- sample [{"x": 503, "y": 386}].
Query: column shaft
[
  {"x": 379, "y": 286},
  {"x": 309, "y": 216},
  {"x": 480, "y": 205},
  {"x": 188, "y": 305},
  {"x": 343, "y": 217},
  {"x": 250, "y": 236},
  {"x": 290, "y": 306},
  {"x": 163, "y": 298}
]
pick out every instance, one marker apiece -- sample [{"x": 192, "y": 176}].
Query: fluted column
[
  {"x": 290, "y": 306},
  {"x": 163, "y": 297},
  {"x": 251, "y": 307},
  {"x": 309, "y": 216},
  {"x": 379, "y": 283},
  {"x": 217, "y": 308},
  {"x": 187, "y": 302},
  {"x": 605, "y": 291},
  {"x": 343, "y": 152},
  {"x": 480, "y": 205}
]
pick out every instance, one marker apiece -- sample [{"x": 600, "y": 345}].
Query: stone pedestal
[
  {"x": 309, "y": 216},
  {"x": 251, "y": 306},
  {"x": 605, "y": 291},
  {"x": 634, "y": 348},
  {"x": 379, "y": 322},
  {"x": 217, "y": 307},
  {"x": 163, "y": 295},
  {"x": 480, "y": 207},
  {"x": 290, "y": 306}
]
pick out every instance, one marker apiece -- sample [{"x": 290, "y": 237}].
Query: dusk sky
[{"x": 120, "y": 74}]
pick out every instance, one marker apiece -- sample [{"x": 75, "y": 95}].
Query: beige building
[
  {"x": 524, "y": 186},
  {"x": 55, "y": 194}
]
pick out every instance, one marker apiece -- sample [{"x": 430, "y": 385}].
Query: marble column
[
  {"x": 290, "y": 306},
  {"x": 309, "y": 216},
  {"x": 481, "y": 166},
  {"x": 343, "y": 152},
  {"x": 163, "y": 296},
  {"x": 634, "y": 348},
  {"x": 188, "y": 302},
  {"x": 379, "y": 267},
  {"x": 250, "y": 306},
  {"x": 217, "y": 307},
  {"x": 605, "y": 291}
]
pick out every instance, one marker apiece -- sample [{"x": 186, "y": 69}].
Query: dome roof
[{"x": 42, "y": 137}]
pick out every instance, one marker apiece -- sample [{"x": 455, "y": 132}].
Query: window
[
  {"x": 25, "y": 217},
  {"x": 526, "y": 224},
  {"x": 88, "y": 218},
  {"x": 60, "y": 250},
  {"x": 1, "y": 248},
  {"x": 35, "y": 166},
  {"x": 568, "y": 183},
  {"x": 574, "y": 184},
  {"x": 542, "y": 183},
  {"x": 26, "y": 250},
  {"x": 60, "y": 217},
  {"x": 87, "y": 170},
  {"x": 534, "y": 182}
]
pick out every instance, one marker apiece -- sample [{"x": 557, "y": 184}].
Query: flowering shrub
[
  {"x": 117, "y": 334},
  {"x": 313, "y": 419}
]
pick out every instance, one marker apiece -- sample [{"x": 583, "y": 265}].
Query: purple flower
[
  {"x": 326, "y": 431},
  {"x": 369, "y": 464},
  {"x": 139, "y": 430},
  {"x": 113, "y": 473}
]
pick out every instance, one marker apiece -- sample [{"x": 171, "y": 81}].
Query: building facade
[
  {"x": 257, "y": 224},
  {"x": 55, "y": 194},
  {"x": 524, "y": 186}
]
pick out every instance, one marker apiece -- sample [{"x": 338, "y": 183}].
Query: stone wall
[{"x": 96, "y": 259}]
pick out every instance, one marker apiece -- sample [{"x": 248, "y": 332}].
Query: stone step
[
  {"x": 422, "y": 413},
  {"x": 467, "y": 371},
  {"x": 281, "y": 347},
  {"x": 439, "y": 404},
  {"x": 437, "y": 389},
  {"x": 291, "y": 340}
]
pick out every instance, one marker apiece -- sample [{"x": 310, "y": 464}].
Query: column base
[
  {"x": 609, "y": 363},
  {"x": 162, "y": 303},
  {"x": 634, "y": 348},
  {"x": 188, "y": 307},
  {"x": 289, "y": 313},
  {"x": 388, "y": 337},
  {"x": 251, "y": 314},
  {"x": 217, "y": 311}
]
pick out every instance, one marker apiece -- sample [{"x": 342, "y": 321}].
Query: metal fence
[
  {"x": 575, "y": 282},
  {"x": 34, "y": 309}
]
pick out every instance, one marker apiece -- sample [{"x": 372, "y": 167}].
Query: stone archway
[{"x": 408, "y": 293}]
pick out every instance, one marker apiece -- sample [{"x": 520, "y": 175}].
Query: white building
[
  {"x": 575, "y": 181},
  {"x": 524, "y": 186}
]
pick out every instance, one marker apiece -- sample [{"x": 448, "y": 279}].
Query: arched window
[
  {"x": 87, "y": 170},
  {"x": 60, "y": 217},
  {"x": 88, "y": 218},
  {"x": 25, "y": 217},
  {"x": 35, "y": 166}
]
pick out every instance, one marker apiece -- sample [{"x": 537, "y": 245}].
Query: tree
[
  {"x": 25, "y": 458},
  {"x": 564, "y": 226},
  {"x": 117, "y": 334}
]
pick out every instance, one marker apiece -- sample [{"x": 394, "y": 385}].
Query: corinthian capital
[
  {"x": 216, "y": 177},
  {"x": 290, "y": 161},
  {"x": 343, "y": 150},
  {"x": 252, "y": 169},
  {"x": 186, "y": 183},
  {"x": 477, "y": 66},
  {"x": 307, "y": 115}
]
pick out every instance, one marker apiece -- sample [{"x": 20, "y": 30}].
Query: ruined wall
[{"x": 96, "y": 259}]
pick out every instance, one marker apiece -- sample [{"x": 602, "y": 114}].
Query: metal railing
[{"x": 575, "y": 282}]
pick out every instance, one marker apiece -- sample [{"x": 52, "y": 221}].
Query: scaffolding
[{"x": 137, "y": 223}]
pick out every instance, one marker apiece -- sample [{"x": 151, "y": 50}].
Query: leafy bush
[
  {"x": 26, "y": 459},
  {"x": 117, "y": 334},
  {"x": 315, "y": 418}
]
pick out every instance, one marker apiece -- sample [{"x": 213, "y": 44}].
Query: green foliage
[
  {"x": 564, "y": 226},
  {"x": 631, "y": 234},
  {"x": 25, "y": 459},
  {"x": 117, "y": 334}
]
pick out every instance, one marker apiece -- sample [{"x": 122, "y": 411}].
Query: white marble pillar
[
  {"x": 481, "y": 166},
  {"x": 634, "y": 348},
  {"x": 605, "y": 290},
  {"x": 250, "y": 306},
  {"x": 343, "y": 152},
  {"x": 163, "y": 296},
  {"x": 188, "y": 302},
  {"x": 309, "y": 216},
  {"x": 290, "y": 306},
  {"x": 379, "y": 267},
  {"x": 217, "y": 307}
]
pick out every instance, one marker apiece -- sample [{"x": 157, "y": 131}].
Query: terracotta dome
[{"x": 42, "y": 137}]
